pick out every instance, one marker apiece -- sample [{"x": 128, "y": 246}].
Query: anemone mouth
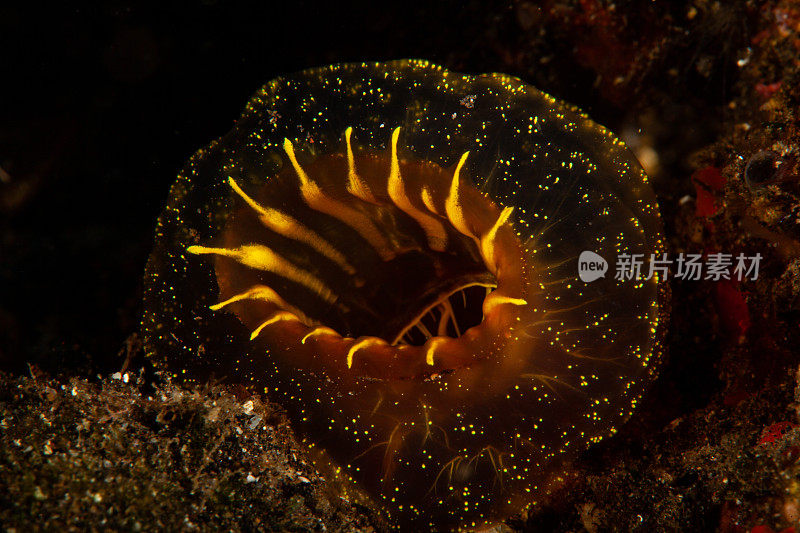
[
  {"x": 451, "y": 313},
  {"x": 389, "y": 266}
]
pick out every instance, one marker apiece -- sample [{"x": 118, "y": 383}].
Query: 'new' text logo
[{"x": 591, "y": 266}]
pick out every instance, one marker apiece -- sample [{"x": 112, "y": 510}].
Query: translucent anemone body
[{"x": 390, "y": 251}]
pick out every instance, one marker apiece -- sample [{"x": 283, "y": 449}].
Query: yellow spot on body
[
  {"x": 366, "y": 342},
  {"x": 434, "y": 230},
  {"x": 262, "y": 258},
  {"x": 289, "y": 227}
]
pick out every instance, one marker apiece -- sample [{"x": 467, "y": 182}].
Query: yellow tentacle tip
[{"x": 433, "y": 344}]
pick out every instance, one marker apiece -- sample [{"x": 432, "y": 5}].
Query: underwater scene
[{"x": 513, "y": 266}]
